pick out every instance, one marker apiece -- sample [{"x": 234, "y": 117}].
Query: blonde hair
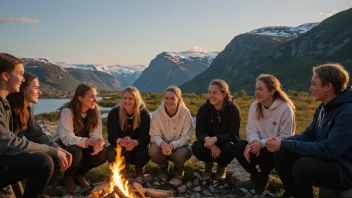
[
  {"x": 223, "y": 87},
  {"x": 177, "y": 91},
  {"x": 138, "y": 107},
  {"x": 333, "y": 73},
  {"x": 272, "y": 83}
]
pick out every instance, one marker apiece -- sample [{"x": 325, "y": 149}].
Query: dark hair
[
  {"x": 8, "y": 62},
  {"x": 272, "y": 83},
  {"x": 20, "y": 113},
  {"x": 75, "y": 105},
  {"x": 333, "y": 73},
  {"x": 223, "y": 87}
]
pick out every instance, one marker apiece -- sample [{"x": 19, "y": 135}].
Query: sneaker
[
  {"x": 70, "y": 184},
  {"x": 163, "y": 172},
  {"x": 220, "y": 174},
  {"x": 208, "y": 171},
  {"x": 82, "y": 182},
  {"x": 179, "y": 172}
]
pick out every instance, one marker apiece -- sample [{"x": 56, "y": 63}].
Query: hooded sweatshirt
[
  {"x": 329, "y": 136},
  {"x": 176, "y": 130},
  {"x": 226, "y": 129},
  {"x": 278, "y": 121}
]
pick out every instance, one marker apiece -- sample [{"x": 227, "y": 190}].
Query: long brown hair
[
  {"x": 138, "y": 107},
  {"x": 20, "y": 112},
  {"x": 8, "y": 62},
  {"x": 224, "y": 88},
  {"x": 335, "y": 74},
  {"x": 272, "y": 83},
  {"x": 75, "y": 105}
]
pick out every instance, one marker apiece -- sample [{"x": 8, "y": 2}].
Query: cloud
[
  {"x": 18, "y": 20},
  {"x": 195, "y": 49},
  {"x": 328, "y": 14}
]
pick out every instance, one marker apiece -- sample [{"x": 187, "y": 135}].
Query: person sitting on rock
[
  {"x": 31, "y": 158},
  {"x": 322, "y": 154},
  {"x": 79, "y": 131},
  {"x": 217, "y": 130},
  {"x": 171, "y": 131},
  {"x": 271, "y": 115},
  {"x": 128, "y": 126}
]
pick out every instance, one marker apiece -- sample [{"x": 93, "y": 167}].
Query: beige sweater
[
  {"x": 278, "y": 121},
  {"x": 177, "y": 130},
  {"x": 64, "y": 130}
]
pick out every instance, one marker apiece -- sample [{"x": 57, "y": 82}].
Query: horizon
[{"x": 134, "y": 33}]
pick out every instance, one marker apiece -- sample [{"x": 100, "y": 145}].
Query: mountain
[
  {"x": 291, "y": 60},
  {"x": 126, "y": 74},
  {"x": 53, "y": 77},
  {"x": 173, "y": 68},
  {"x": 284, "y": 31}
]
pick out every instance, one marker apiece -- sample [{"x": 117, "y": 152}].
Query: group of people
[{"x": 321, "y": 155}]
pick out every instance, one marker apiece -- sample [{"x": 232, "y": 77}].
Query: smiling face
[
  {"x": 262, "y": 94},
  {"x": 15, "y": 78},
  {"x": 215, "y": 96},
  {"x": 128, "y": 101},
  {"x": 317, "y": 88},
  {"x": 89, "y": 100},
  {"x": 171, "y": 101},
  {"x": 32, "y": 91}
]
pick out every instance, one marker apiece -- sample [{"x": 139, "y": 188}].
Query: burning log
[
  {"x": 119, "y": 192},
  {"x": 153, "y": 192}
]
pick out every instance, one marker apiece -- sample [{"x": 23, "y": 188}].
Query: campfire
[{"x": 119, "y": 186}]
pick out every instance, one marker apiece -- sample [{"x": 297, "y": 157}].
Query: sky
[{"x": 133, "y": 32}]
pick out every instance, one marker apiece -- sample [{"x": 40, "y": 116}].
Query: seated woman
[
  {"x": 217, "y": 130},
  {"x": 23, "y": 158},
  {"x": 128, "y": 125},
  {"x": 79, "y": 131},
  {"x": 272, "y": 115},
  {"x": 322, "y": 154},
  {"x": 171, "y": 131}
]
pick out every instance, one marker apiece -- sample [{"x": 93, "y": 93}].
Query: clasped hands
[
  {"x": 272, "y": 144},
  {"x": 209, "y": 142},
  {"x": 166, "y": 148},
  {"x": 128, "y": 143}
]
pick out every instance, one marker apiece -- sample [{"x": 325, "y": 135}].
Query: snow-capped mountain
[
  {"x": 284, "y": 31},
  {"x": 194, "y": 55}
]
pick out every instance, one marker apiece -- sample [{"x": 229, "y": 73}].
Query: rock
[
  {"x": 215, "y": 182},
  {"x": 196, "y": 195},
  {"x": 206, "y": 193},
  {"x": 182, "y": 189},
  {"x": 147, "y": 177},
  {"x": 197, "y": 189},
  {"x": 156, "y": 183},
  {"x": 175, "y": 182},
  {"x": 249, "y": 195},
  {"x": 226, "y": 185},
  {"x": 196, "y": 182},
  {"x": 221, "y": 187},
  {"x": 252, "y": 191},
  {"x": 204, "y": 183},
  {"x": 243, "y": 190},
  {"x": 198, "y": 176},
  {"x": 189, "y": 184},
  {"x": 211, "y": 188},
  {"x": 325, "y": 193}
]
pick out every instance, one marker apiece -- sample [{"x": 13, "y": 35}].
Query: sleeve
[
  {"x": 113, "y": 126},
  {"x": 337, "y": 143},
  {"x": 252, "y": 130},
  {"x": 187, "y": 131},
  {"x": 155, "y": 129},
  {"x": 98, "y": 131},
  {"x": 11, "y": 145},
  {"x": 201, "y": 124},
  {"x": 233, "y": 129},
  {"x": 65, "y": 130},
  {"x": 144, "y": 137}
]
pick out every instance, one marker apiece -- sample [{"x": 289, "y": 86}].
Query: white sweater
[
  {"x": 177, "y": 130},
  {"x": 278, "y": 121},
  {"x": 64, "y": 130}
]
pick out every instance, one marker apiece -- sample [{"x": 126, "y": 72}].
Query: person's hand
[
  {"x": 171, "y": 146},
  {"x": 165, "y": 148},
  {"x": 215, "y": 151},
  {"x": 125, "y": 141},
  {"x": 98, "y": 145},
  {"x": 132, "y": 143},
  {"x": 273, "y": 144},
  {"x": 68, "y": 156},
  {"x": 209, "y": 141},
  {"x": 246, "y": 153},
  {"x": 62, "y": 161},
  {"x": 256, "y": 146}
]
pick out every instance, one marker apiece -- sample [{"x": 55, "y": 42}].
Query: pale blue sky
[{"x": 134, "y": 32}]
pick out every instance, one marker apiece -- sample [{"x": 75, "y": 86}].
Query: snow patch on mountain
[
  {"x": 284, "y": 31},
  {"x": 193, "y": 54}
]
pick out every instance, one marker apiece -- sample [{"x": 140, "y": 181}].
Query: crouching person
[{"x": 79, "y": 131}]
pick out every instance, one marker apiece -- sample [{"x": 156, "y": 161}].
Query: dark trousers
[
  {"x": 37, "y": 167},
  {"x": 228, "y": 152},
  {"x": 83, "y": 160},
  {"x": 138, "y": 156},
  {"x": 265, "y": 160},
  {"x": 299, "y": 173}
]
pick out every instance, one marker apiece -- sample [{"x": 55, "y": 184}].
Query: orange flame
[{"x": 117, "y": 176}]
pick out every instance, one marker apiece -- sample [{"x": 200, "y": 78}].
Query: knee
[
  {"x": 154, "y": 151},
  {"x": 197, "y": 147},
  {"x": 280, "y": 157},
  {"x": 111, "y": 154},
  {"x": 46, "y": 163},
  {"x": 181, "y": 155},
  {"x": 74, "y": 150},
  {"x": 102, "y": 156},
  {"x": 301, "y": 165},
  {"x": 227, "y": 148}
]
